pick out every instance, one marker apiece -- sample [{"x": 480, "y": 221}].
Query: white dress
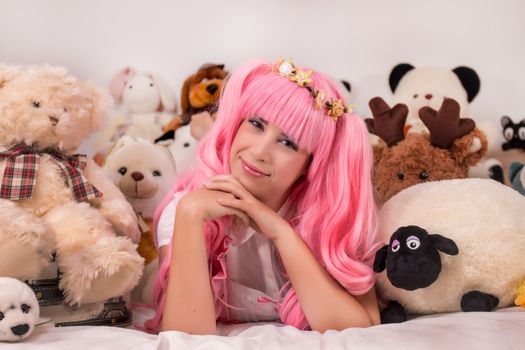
[{"x": 255, "y": 276}]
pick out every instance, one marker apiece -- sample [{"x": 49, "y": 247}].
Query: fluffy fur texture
[
  {"x": 19, "y": 310},
  {"x": 414, "y": 159},
  {"x": 484, "y": 218},
  {"x": 46, "y": 107},
  {"x": 338, "y": 177}
]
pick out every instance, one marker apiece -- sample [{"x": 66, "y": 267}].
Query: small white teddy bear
[{"x": 19, "y": 310}]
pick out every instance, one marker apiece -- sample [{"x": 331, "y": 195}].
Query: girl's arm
[
  {"x": 189, "y": 305},
  {"x": 326, "y": 304}
]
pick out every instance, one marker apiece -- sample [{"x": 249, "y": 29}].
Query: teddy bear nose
[
  {"x": 21, "y": 329},
  {"x": 212, "y": 88},
  {"x": 428, "y": 96},
  {"x": 137, "y": 176}
]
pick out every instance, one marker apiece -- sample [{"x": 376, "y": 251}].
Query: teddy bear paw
[{"x": 106, "y": 269}]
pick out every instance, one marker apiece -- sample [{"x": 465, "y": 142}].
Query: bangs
[{"x": 291, "y": 107}]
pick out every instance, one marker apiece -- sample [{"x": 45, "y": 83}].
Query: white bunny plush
[
  {"x": 19, "y": 310},
  {"x": 148, "y": 103}
]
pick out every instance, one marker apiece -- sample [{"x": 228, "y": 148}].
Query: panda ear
[
  {"x": 397, "y": 73},
  {"x": 380, "y": 259},
  {"x": 505, "y": 121},
  {"x": 446, "y": 245},
  {"x": 469, "y": 79}
]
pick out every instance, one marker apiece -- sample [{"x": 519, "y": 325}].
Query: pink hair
[{"x": 332, "y": 208}]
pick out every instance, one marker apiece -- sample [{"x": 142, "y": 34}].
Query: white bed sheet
[{"x": 502, "y": 329}]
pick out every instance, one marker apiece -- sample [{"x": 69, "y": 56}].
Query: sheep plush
[
  {"x": 19, "y": 310},
  {"x": 145, "y": 173},
  {"x": 447, "y": 151},
  {"x": 481, "y": 240},
  {"x": 55, "y": 200},
  {"x": 418, "y": 87}
]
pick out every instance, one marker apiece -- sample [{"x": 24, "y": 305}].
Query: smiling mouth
[{"x": 252, "y": 170}]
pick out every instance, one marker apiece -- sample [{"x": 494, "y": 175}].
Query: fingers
[
  {"x": 226, "y": 183},
  {"x": 234, "y": 203}
]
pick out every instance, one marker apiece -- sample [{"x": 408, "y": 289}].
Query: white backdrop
[{"x": 359, "y": 41}]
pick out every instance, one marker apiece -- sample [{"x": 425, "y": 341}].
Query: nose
[
  {"x": 137, "y": 176},
  {"x": 21, "y": 329},
  {"x": 212, "y": 88},
  {"x": 428, "y": 96},
  {"x": 261, "y": 148}
]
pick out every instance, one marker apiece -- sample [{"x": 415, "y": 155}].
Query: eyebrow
[{"x": 265, "y": 122}]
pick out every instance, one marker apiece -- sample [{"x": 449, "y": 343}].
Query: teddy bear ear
[
  {"x": 167, "y": 97},
  {"x": 100, "y": 100},
  {"x": 117, "y": 84},
  {"x": 7, "y": 73}
]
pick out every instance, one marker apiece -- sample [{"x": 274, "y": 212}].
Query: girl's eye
[
  {"x": 256, "y": 123},
  {"x": 290, "y": 144}
]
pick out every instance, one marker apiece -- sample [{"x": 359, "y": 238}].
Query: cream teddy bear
[
  {"x": 54, "y": 200},
  {"x": 145, "y": 173}
]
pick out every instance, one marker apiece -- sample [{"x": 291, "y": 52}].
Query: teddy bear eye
[
  {"x": 36, "y": 104},
  {"x": 416, "y": 95},
  {"x": 25, "y": 308},
  {"x": 423, "y": 175},
  {"x": 401, "y": 176},
  {"x": 123, "y": 170},
  {"x": 413, "y": 242},
  {"x": 1, "y": 316},
  {"x": 65, "y": 110},
  {"x": 130, "y": 87},
  {"x": 151, "y": 84},
  {"x": 156, "y": 173}
]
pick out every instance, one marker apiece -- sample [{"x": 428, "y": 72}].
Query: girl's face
[{"x": 266, "y": 161}]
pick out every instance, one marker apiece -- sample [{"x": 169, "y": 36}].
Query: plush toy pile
[{"x": 53, "y": 200}]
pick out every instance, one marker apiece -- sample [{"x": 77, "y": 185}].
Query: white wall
[{"x": 356, "y": 40}]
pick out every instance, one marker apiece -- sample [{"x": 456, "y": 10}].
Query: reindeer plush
[{"x": 447, "y": 151}]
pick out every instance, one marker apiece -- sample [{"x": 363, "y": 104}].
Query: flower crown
[{"x": 334, "y": 108}]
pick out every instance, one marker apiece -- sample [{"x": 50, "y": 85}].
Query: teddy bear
[
  {"x": 148, "y": 104},
  {"x": 452, "y": 245},
  {"x": 145, "y": 173},
  {"x": 447, "y": 151},
  {"x": 53, "y": 200},
  {"x": 419, "y": 87},
  {"x": 19, "y": 310}
]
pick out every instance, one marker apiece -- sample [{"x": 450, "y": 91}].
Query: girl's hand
[
  {"x": 203, "y": 204},
  {"x": 263, "y": 218}
]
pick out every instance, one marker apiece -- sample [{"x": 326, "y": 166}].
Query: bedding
[{"x": 502, "y": 329}]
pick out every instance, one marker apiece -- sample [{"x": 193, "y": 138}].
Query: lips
[{"x": 252, "y": 170}]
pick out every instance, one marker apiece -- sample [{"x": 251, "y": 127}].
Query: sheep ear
[
  {"x": 446, "y": 245},
  {"x": 380, "y": 259}
]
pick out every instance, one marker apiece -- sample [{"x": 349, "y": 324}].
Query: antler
[
  {"x": 445, "y": 125},
  {"x": 388, "y": 123}
]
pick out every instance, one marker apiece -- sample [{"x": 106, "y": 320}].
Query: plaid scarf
[{"x": 22, "y": 166}]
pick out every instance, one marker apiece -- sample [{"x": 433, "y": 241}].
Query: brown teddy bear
[
  {"x": 447, "y": 151},
  {"x": 52, "y": 199}
]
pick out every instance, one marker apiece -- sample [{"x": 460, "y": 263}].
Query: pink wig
[{"x": 332, "y": 208}]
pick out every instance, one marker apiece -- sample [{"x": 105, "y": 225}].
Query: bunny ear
[
  {"x": 167, "y": 97},
  {"x": 117, "y": 84}
]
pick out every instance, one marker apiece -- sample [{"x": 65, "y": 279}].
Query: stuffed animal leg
[
  {"x": 94, "y": 262},
  {"x": 26, "y": 242}
]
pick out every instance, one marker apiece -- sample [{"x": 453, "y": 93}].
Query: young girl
[{"x": 277, "y": 221}]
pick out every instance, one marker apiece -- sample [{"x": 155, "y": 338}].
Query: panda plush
[
  {"x": 19, "y": 310},
  {"x": 418, "y": 87}
]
